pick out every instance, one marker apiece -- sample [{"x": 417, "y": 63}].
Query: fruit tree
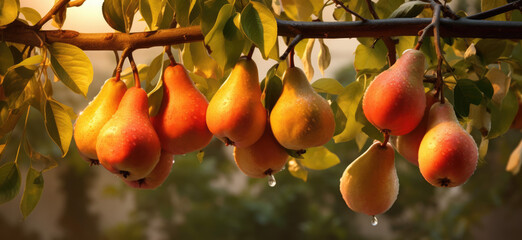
[{"x": 435, "y": 85}]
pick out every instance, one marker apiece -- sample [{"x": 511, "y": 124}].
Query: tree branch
[
  {"x": 59, "y": 5},
  {"x": 462, "y": 27},
  {"x": 390, "y": 44},
  {"x": 496, "y": 11},
  {"x": 337, "y": 2}
]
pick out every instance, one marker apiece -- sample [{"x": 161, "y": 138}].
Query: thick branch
[{"x": 371, "y": 28}]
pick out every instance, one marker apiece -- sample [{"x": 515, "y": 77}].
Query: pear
[
  {"x": 408, "y": 145},
  {"x": 127, "y": 144},
  {"x": 181, "y": 121},
  {"x": 395, "y": 100},
  {"x": 235, "y": 114},
  {"x": 370, "y": 184},
  {"x": 95, "y": 115},
  {"x": 158, "y": 175},
  {"x": 447, "y": 154},
  {"x": 263, "y": 158},
  {"x": 301, "y": 118}
]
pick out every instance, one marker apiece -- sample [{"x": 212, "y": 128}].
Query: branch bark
[{"x": 462, "y": 27}]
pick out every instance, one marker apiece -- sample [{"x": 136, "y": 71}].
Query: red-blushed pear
[
  {"x": 408, "y": 145},
  {"x": 370, "y": 184},
  {"x": 447, "y": 154},
  {"x": 181, "y": 120},
  {"x": 263, "y": 158},
  {"x": 301, "y": 118},
  {"x": 128, "y": 145},
  {"x": 395, "y": 99},
  {"x": 235, "y": 114},
  {"x": 95, "y": 115},
  {"x": 158, "y": 175}
]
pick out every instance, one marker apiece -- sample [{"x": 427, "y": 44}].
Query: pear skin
[
  {"x": 158, "y": 175},
  {"x": 95, "y": 115},
  {"x": 370, "y": 184},
  {"x": 128, "y": 144},
  {"x": 408, "y": 145},
  {"x": 448, "y": 155},
  {"x": 264, "y": 157},
  {"x": 235, "y": 114},
  {"x": 395, "y": 99},
  {"x": 181, "y": 121},
  {"x": 301, "y": 118}
]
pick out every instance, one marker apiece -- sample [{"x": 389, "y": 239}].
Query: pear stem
[
  {"x": 124, "y": 55},
  {"x": 171, "y": 57},
  {"x": 291, "y": 59},
  {"x": 291, "y": 46},
  {"x": 386, "y": 134},
  {"x": 251, "y": 51},
  {"x": 137, "y": 82}
]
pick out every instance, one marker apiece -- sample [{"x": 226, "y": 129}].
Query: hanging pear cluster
[{"x": 425, "y": 132}]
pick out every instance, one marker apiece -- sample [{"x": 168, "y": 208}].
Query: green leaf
[
  {"x": 485, "y": 87},
  {"x": 9, "y": 181},
  {"x": 31, "y": 15},
  {"x": 8, "y": 11},
  {"x": 59, "y": 16},
  {"x": 44, "y": 163},
  {"x": 466, "y": 93},
  {"x": 127, "y": 75},
  {"x": 32, "y": 192},
  {"x": 306, "y": 59},
  {"x": 409, "y": 9},
  {"x": 503, "y": 116},
  {"x": 324, "y": 58},
  {"x": 119, "y": 14},
  {"x": 260, "y": 26},
  {"x": 166, "y": 16},
  {"x": 18, "y": 76},
  {"x": 348, "y": 101},
  {"x": 156, "y": 95},
  {"x": 319, "y": 158},
  {"x": 225, "y": 39},
  {"x": 6, "y": 58},
  {"x": 328, "y": 85},
  {"x": 299, "y": 10},
  {"x": 296, "y": 170},
  {"x": 490, "y": 4},
  {"x": 385, "y": 8},
  {"x": 150, "y": 10},
  {"x": 340, "y": 118},
  {"x": 72, "y": 66},
  {"x": 274, "y": 87},
  {"x": 195, "y": 56},
  {"x": 183, "y": 11},
  {"x": 154, "y": 67},
  {"x": 373, "y": 59},
  {"x": 490, "y": 50},
  {"x": 211, "y": 10},
  {"x": 58, "y": 124},
  {"x": 405, "y": 43}
]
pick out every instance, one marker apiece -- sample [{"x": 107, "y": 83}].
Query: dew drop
[
  {"x": 374, "y": 221},
  {"x": 271, "y": 180}
]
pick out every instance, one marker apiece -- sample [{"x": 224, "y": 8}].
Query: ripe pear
[
  {"x": 301, "y": 118},
  {"x": 95, "y": 115},
  {"x": 447, "y": 154},
  {"x": 408, "y": 145},
  {"x": 181, "y": 120},
  {"x": 235, "y": 114},
  {"x": 395, "y": 99},
  {"x": 264, "y": 157},
  {"x": 158, "y": 175},
  {"x": 370, "y": 184},
  {"x": 127, "y": 144}
]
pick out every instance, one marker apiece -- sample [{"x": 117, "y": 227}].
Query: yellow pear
[
  {"x": 235, "y": 114},
  {"x": 370, "y": 184},
  {"x": 301, "y": 118},
  {"x": 128, "y": 144},
  {"x": 95, "y": 115},
  {"x": 263, "y": 158},
  {"x": 448, "y": 155}
]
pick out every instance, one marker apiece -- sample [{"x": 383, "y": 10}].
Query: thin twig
[
  {"x": 59, "y": 5},
  {"x": 135, "y": 71},
  {"x": 496, "y": 11},
  {"x": 438, "y": 50},
  {"x": 388, "y": 41},
  {"x": 291, "y": 46},
  {"x": 124, "y": 55},
  {"x": 337, "y": 2},
  {"x": 251, "y": 51},
  {"x": 171, "y": 57}
]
